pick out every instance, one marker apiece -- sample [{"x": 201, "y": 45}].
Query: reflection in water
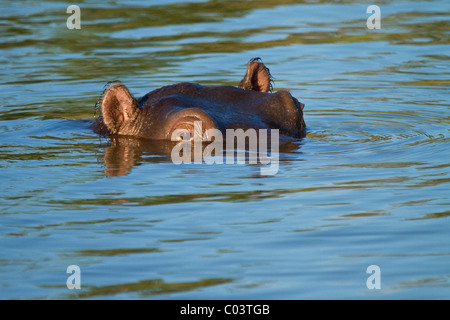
[{"x": 123, "y": 153}]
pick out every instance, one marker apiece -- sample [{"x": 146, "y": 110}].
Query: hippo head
[{"x": 159, "y": 113}]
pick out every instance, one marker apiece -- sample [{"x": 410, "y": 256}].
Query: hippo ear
[
  {"x": 257, "y": 77},
  {"x": 119, "y": 108}
]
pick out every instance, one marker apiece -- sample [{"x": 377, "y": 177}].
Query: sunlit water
[{"x": 369, "y": 185}]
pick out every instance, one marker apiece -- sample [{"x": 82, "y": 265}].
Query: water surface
[{"x": 368, "y": 185}]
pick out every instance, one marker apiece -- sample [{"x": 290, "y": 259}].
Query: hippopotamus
[{"x": 156, "y": 115}]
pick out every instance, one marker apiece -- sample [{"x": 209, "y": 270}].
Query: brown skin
[{"x": 160, "y": 112}]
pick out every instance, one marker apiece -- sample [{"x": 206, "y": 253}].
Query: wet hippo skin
[{"x": 156, "y": 115}]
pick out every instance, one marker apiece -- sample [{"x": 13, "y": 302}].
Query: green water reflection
[{"x": 368, "y": 185}]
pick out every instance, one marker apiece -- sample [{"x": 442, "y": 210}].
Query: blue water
[{"x": 368, "y": 185}]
